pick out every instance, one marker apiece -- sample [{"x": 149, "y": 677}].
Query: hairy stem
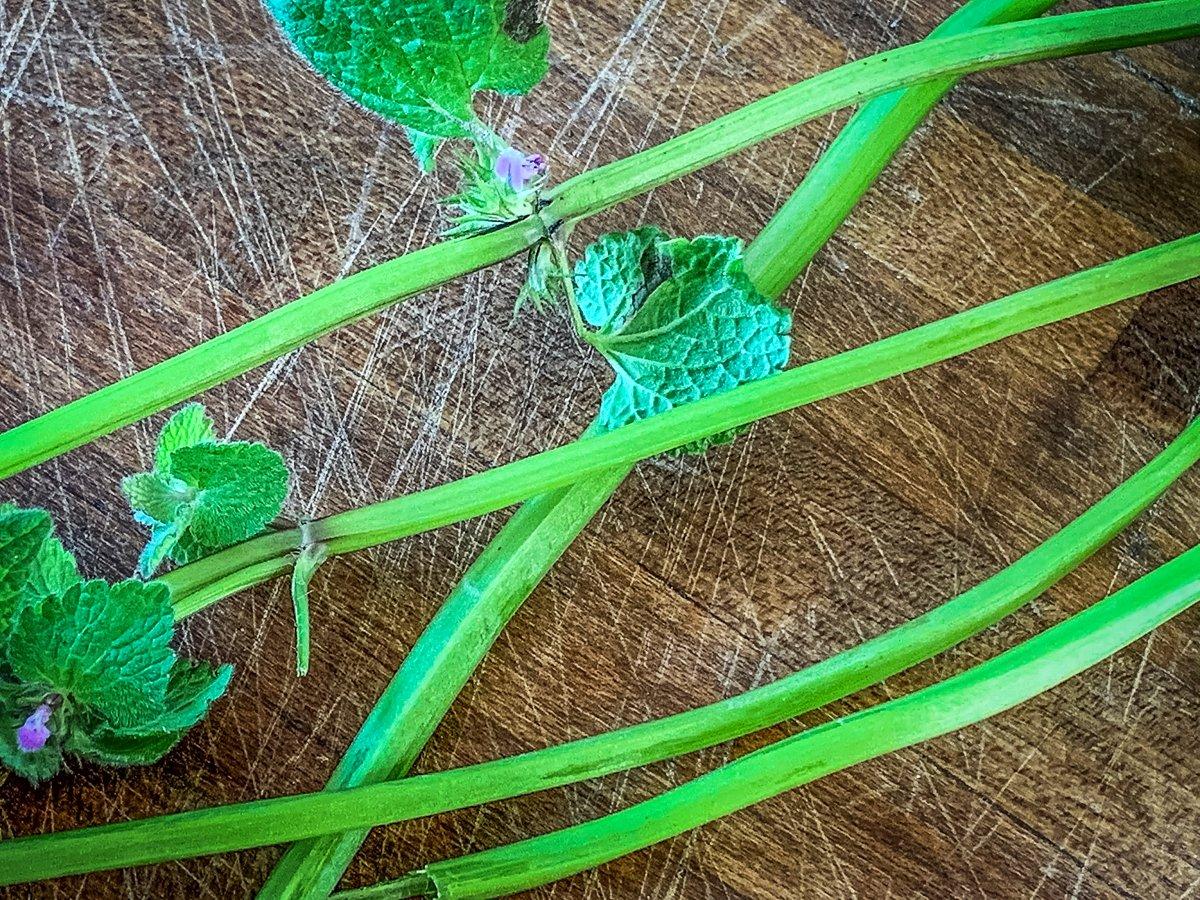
[
  {"x": 304, "y": 320},
  {"x": 264, "y": 822},
  {"x": 470, "y": 620}
]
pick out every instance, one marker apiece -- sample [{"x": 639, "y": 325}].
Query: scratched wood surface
[{"x": 170, "y": 170}]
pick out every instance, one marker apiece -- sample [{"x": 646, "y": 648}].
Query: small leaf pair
[{"x": 203, "y": 494}]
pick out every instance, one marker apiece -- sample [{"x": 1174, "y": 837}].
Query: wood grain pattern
[{"x": 170, "y": 170}]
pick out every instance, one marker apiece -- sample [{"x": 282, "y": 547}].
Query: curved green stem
[
  {"x": 470, "y": 620},
  {"x": 485, "y": 492},
  {"x": 304, "y": 320},
  {"x": 263, "y": 822},
  {"x": 855, "y": 82},
  {"x": 1030, "y": 668}
]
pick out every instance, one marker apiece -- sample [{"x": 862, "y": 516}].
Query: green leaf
[
  {"x": 203, "y": 494},
  {"x": 678, "y": 320},
  {"x": 164, "y": 540},
  {"x": 192, "y": 688},
  {"x": 104, "y": 647},
  {"x": 424, "y": 149},
  {"x": 112, "y": 749},
  {"x": 156, "y": 496},
  {"x": 239, "y": 489},
  {"x": 419, "y": 62},
  {"x": 22, "y": 534},
  {"x": 616, "y": 274},
  {"x": 187, "y": 428},
  {"x": 53, "y": 571},
  {"x": 186, "y": 549}
]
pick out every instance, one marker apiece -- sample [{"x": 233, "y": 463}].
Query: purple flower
[
  {"x": 517, "y": 169},
  {"x": 32, "y": 736}
]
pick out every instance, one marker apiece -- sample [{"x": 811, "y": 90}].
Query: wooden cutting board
[{"x": 171, "y": 170}]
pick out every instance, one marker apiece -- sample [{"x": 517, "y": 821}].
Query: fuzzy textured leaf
[
  {"x": 53, "y": 571},
  {"x": 101, "y": 646},
  {"x": 678, "y": 320},
  {"x": 22, "y": 534},
  {"x": 187, "y": 428},
  {"x": 112, "y": 749},
  {"x": 239, "y": 488},
  {"x": 203, "y": 494},
  {"x": 192, "y": 688},
  {"x": 418, "y": 62},
  {"x": 156, "y": 496}
]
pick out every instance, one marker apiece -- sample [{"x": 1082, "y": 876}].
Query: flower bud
[{"x": 32, "y": 736}]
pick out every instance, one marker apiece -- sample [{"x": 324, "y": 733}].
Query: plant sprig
[
  {"x": 471, "y": 618},
  {"x": 360, "y": 295},
  {"x": 86, "y": 667},
  {"x": 209, "y": 580}
]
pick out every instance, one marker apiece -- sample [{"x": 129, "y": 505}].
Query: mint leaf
[
  {"x": 22, "y": 534},
  {"x": 100, "y": 646},
  {"x": 156, "y": 496},
  {"x": 616, "y": 274},
  {"x": 187, "y": 428},
  {"x": 418, "y": 62},
  {"x": 678, "y": 320},
  {"x": 109, "y": 748},
  {"x": 203, "y": 494},
  {"x": 53, "y": 571},
  {"x": 191, "y": 690},
  {"x": 239, "y": 489}
]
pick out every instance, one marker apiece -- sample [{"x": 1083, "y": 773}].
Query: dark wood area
[{"x": 170, "y": 170}]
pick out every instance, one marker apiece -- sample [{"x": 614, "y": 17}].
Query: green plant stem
[
  {"x": 263, "y": 822},
  {"x": 853, "y": 83},
  {"x": 471, "y": 619},
  {"x": 304, "y": 320},
  {"x": 438, "y": 666},
  {"x": 1019, "y": 674},
  {"x": 201, "y": 583},
  {"x": 857, "y": 156}
]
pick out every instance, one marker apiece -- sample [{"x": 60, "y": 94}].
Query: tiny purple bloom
[
  {"x": 32, "y": 736},
  {"x": 517, "y": 169}
]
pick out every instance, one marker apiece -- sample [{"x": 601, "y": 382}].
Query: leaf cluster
[
  {"x": 96, "y": 655},
  {"x": 203, "y": 494}
]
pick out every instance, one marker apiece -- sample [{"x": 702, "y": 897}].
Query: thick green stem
[
  {"x": 471, "y": 619},
  {"x": 263, "y": 822},
  {"x": 1030, "y": 668},
  {"x": 437, "y": 668},
  {"x": 589, "y": 457},
  {"x": 304, "y": 320}
]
